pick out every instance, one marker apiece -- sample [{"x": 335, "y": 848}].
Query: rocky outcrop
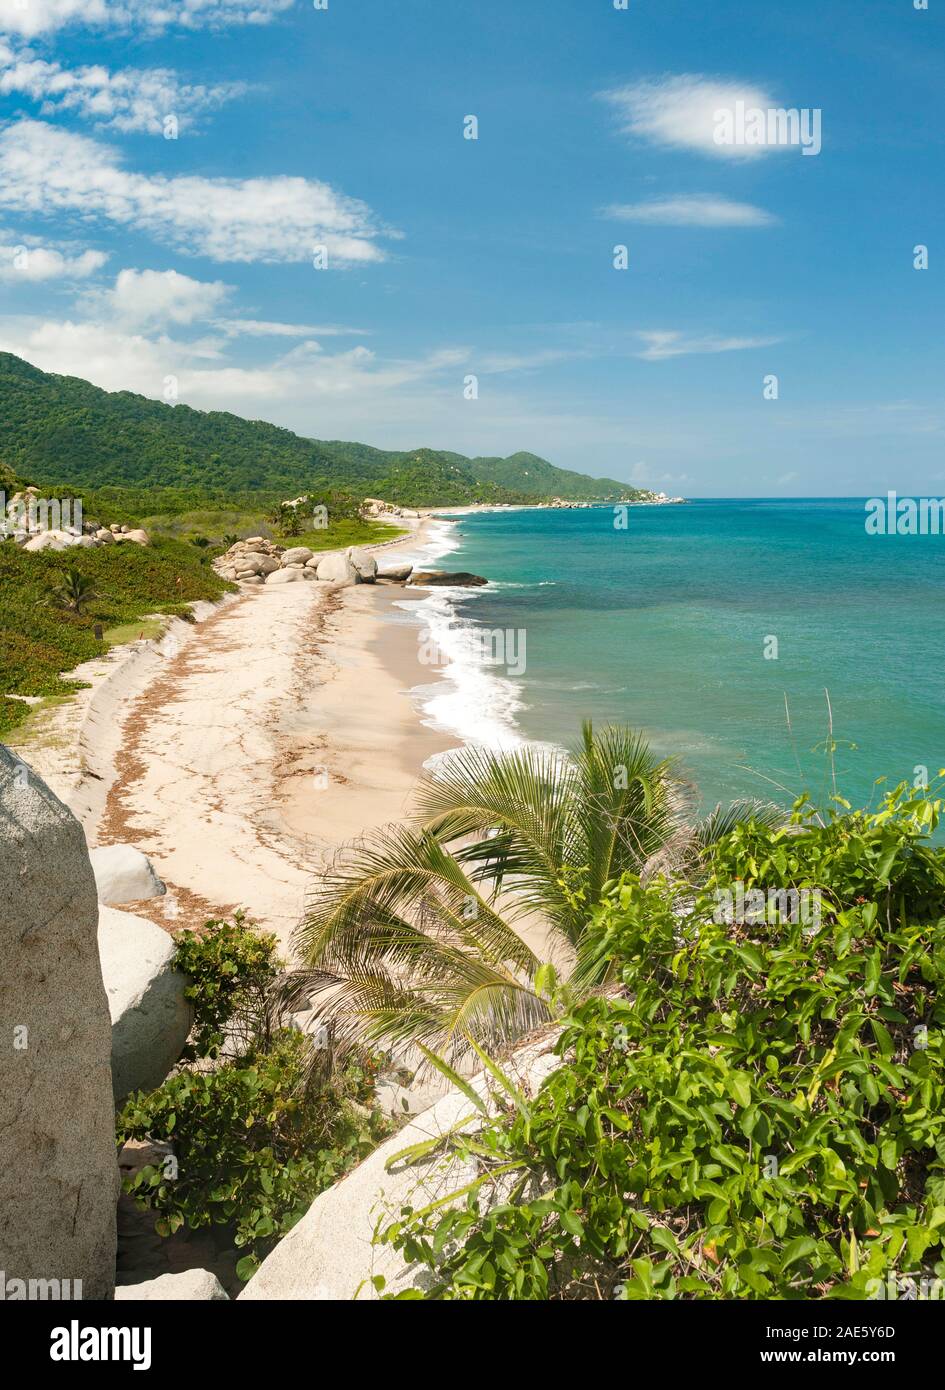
[
  {"x": 364, "y": 563},
  {"x": 376, "y": 509},
  {"x": 298, "y": 555},
  {"x": 191, "y": 1285},
  {"x": 252, "y": 558},
  {"x": 397, "y": 574},
  {"x": 461, "y": 579},
  {"x": 50, "y": 540},
  {"x": 337, "y": 569},
  {"x": 330, "y": 1256},
  {"x": 124, "y": 875},
  {"x": 256, "y": 560},
  {"x": 150, "y": 1016},
  {"x": 288, "y": 576},
  {"x": 58, "y": 1176},
  {"x": 26, "y": 518}
]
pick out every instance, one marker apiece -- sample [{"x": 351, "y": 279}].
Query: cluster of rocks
[
  {"x": 96, "y": 536},
  {"x": 25, "y": 521},
  {"x": 373, "y": 508},
  {"x": 259, "y": 561}
]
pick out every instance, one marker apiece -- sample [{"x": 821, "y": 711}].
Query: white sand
[{"x": 240, "y": 752}]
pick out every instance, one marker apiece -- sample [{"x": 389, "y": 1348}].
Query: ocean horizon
[{"x": 729, "y": 630}]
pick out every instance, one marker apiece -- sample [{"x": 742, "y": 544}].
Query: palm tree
[
  {"x": 74, "y": 593},
  {"x": 435, "y": 932}
]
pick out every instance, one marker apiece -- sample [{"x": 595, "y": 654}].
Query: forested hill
[{"x": 62, "y": 430}]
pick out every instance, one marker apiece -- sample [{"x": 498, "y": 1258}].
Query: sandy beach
[{"x": 241, "y": 751}]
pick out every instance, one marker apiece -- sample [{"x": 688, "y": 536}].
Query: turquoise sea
[{"x": 665, "y": 626}]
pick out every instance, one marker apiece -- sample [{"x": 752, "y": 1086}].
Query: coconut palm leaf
[
  {"x": 411, "y": 936},
  {"x": 723, "y": 820}
]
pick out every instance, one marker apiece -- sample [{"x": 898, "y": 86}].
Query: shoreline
[{"x": 239, "y": 752}]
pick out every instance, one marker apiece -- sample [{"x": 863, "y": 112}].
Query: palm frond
[{"x": 723, "y": 820}]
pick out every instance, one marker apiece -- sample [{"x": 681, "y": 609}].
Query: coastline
[{"x": 239, "y": 752}]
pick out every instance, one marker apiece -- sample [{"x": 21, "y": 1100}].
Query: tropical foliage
[
  {"x": 460, "y": 926},
  {"x": 74, "y": 592},
  {"x": 755, "y": 1109},
  {"x": 257, "y": 1135},
  {"x": 230, "y": 968},
  {"x": 118, "y": 584},
  {"x": 61, "y": 429}
]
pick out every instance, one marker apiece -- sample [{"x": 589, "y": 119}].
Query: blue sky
[{"x": 163, "y": 265}]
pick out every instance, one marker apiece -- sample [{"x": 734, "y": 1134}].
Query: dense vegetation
[
  {"x": 62, "y": 430},
  {"x": 258, "y": 1132},
  {"x": 754, "y": 1109},
  {"x": 39, "y": 638}
]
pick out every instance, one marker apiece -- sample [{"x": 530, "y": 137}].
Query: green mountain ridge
[{"x": 62, "y": 430}]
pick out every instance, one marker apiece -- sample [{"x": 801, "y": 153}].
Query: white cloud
[
  {"x": 662, "y": 345},
  {"x": 31, "y": 264},
  {"x": 50, "y": 171},
  {"x": 260, "y": 328},
  {"x": 645, "y": 475},
  {"x": 147, "y": 298},
  {"x": 305, "y": 389},
  {"x": 126, "y": 100},
  {"x": 681, "y": 112},
  {"x": 47, "y": 16},
  {"x": 693, "y": 210}
]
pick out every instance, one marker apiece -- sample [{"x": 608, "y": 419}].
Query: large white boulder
[
  {"x": 329, "y": 1254},
  {"x": 337, "y": 569},
  {"x": 364, "y": 563},
  {"x": 191, "y": 1285},
  {"x": 58, "y": 1175},
  {"x": 138, "y": 535},
  {"x": 51, "y": 540},
  {"x": 255, "y": 562},
  {"x": 396, "y": 572},
  {"x": 124, "y": 875},
  {"x": 290, "y": 576},
  {"x": 150, "y": 1016},
  {"x": 298, "y": 555}
]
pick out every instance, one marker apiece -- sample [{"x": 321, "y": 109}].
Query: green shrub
[
  {"x": 254, "y": 1140},
  {"x": 757, "y": 1108},
  {"x": 256, "y": 1136},
  {"x": 126, "y": 581},
  {"x": 230, "y": 967}
]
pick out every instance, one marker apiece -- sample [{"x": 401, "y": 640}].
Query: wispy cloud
[
  {"x": 662, "y": 345},
  {"x": 260, "y": 328},
  {"x": 50, "y": 171},
  {"x": 692, "y": 210},
  {"x": 680, "y": 111},
  {"x": 129, "y": 99},
  {"x": 47, "y": 16}
]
